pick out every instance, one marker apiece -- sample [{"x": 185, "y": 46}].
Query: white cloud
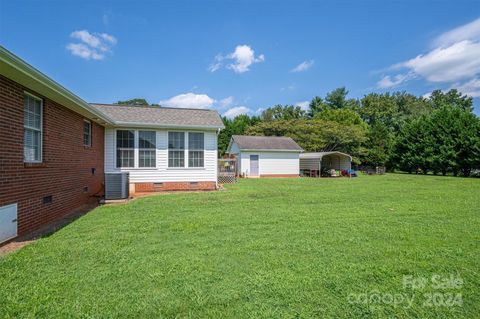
[
  {"x": 93, "y": 46},
  {"x": 83, "y": 51},
  {"x": 217, "y": 63},
  {"x": 304, "y": 66},
  {"x": 458, "y": 61},
  {"x": 303, "y": 104},
  {"x": 237, "y": 110},
  {"x": 392, "y": 81},
  {"x": 454, "y": 57},
  {"x": 470, "y": 88},
  {"x": 465, "y": 32},
  {"x": 226, "y": 102},
  {"x": 239, "y": 61},
  {"x": 427, "y": 95},
  {"x": 189, "y": 100}
]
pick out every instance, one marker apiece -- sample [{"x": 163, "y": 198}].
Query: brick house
[{"x": 55, "y": 148}]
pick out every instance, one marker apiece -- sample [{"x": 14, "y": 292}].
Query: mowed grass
[{"x": 264, "y": 248}]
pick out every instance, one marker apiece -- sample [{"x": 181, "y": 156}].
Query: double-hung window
[
  {"x": 176, "y": 149},
  {"x": 32, "y": 129},
  {"x": 195, "y": 149},
  {"x": 87, "y": 133},
  {"x": 125, "y": 148},
  {"x": 146, "y": 148}
]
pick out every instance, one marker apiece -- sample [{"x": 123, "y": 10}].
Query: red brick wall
[
  {"x": 174, "y": 186},
  {"x": 67, "y": 164}
]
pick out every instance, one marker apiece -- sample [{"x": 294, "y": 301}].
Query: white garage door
[{"x": 8, "y": 222}]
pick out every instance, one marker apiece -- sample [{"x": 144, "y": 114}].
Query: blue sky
[{"x": 244, "y": 56}]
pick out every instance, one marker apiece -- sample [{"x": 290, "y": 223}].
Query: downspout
[
  {"x": 216, "y": 163},
  {"x": 320, "y": 167}
]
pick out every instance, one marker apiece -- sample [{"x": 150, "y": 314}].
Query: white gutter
[{"x": 173, "y": 126}]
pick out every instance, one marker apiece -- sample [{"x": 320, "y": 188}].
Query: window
[
  {"x": 195, "y": 149},
  {"x": 32, "y": 133},
  {"x": 125, "y": 148},
  {"x": 176, "y": 149},
  {"x": 146, "y": 148},
  {"x": 87, "y": 133}
]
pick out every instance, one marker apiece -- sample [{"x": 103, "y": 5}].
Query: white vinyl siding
[
  {"x": 270, "y": 163},
  {"x": 32, "y": 125},
  {"x": 163, "y": 173}
]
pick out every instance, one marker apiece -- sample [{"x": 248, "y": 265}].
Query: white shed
[
  {"x": 265, "y": 156},
  {"x": 315, "y": 162}
]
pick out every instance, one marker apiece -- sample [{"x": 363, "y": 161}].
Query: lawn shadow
[{"x": 47, "y": 230}]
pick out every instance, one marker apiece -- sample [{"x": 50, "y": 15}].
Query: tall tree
[
  {"x": 337, "y": 99},
  {"x": 447, "y": 139},
  {"x": 136, "y": 102},
  {"x": 235, "y": 126},
  {"x": 452, "y": 98},
  {"x": 342, "y": 116},
  {"x": 283, "y": 112},
  {"x": 316, "y": 135},
  {"x": 316, "y": 106}
]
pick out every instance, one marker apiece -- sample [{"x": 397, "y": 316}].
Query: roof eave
[
  {"x": 23, "y": 73},
  {"x": 172, "y": 126}
]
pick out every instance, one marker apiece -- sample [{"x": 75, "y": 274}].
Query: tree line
[{"x": 438, "y": 134}]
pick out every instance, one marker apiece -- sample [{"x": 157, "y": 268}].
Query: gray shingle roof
[
  {"x": 161, "y": 116},
  {"x": 274, "y": 143}
]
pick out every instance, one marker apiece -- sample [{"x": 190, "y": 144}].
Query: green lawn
[{"x": 265, "y": 248}]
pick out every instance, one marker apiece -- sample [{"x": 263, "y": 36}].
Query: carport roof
[{"x": 322, "y": 154}]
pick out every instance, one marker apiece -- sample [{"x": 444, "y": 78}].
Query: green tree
[
  {"x": 316, "y": 106},
  {"x": 235, "y": 126},
  {"x": 136, "y": 102},
  {"x": 283, "y": 112},
  {"x": 379, "y": 108},
  {"x": 378, "y": 145},
  {"x": 337, "y": 99},
  {"x": 342, "y": 116},
  {"x": 451, "y": 98},
  {"x": 447, "y": 139},
  {"x": 316, "y": 135}
]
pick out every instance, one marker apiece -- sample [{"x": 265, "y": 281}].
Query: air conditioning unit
[{"x": 116, "y": 185}]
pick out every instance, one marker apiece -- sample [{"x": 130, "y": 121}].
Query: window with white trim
[
  {"x": 125, "y": 148},
  {"x": 146, "y": 148},
  {"x": 32, "y": 128},
  {"x": 87, "y": 133},
  {"x": 176, "y": 149},
  {"x": 195, "y": 149}
]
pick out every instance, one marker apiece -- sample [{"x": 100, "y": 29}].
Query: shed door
[
  {"x": 8, "y": 222},
  {"x": 253, "y": 165}
]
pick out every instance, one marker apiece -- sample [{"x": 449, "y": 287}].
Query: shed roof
[
  {"x": 266, "y": 143},
  {"x": 321, "y": 154},
  {"x": 157, "y": 116}
]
